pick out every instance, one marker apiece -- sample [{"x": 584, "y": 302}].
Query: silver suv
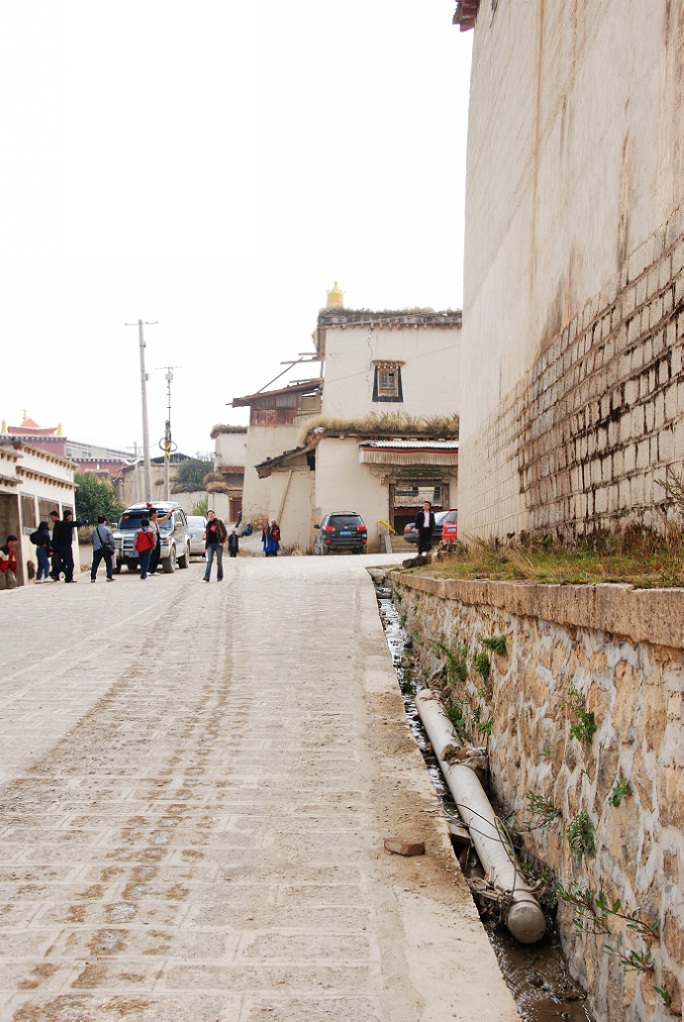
[{"x": 174, "y": 535}]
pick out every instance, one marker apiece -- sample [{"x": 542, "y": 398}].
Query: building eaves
[
  {"x": 412, "y": 445},
  {"x": 220, "y": 428},
  {"x": 265, "y": 468},
  {"x": 465, "y": 14},
  {"x": 299, "y": 388}
]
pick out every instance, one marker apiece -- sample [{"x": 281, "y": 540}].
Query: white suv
[{"x": 174, "y": 535}]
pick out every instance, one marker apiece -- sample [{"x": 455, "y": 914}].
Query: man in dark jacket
[
  {"x": 425, "y": 523},
  {"x": 62, "y": 539}
]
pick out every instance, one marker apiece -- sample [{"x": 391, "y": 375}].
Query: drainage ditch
[{"x": 537, "y": 976}]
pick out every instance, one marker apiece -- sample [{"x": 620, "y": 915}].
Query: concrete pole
[{"x": 146, "y": 431}]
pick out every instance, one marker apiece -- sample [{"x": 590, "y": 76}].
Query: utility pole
[
  {"x": 143, "y": 387},
  {"x": 166, "y": 443}
]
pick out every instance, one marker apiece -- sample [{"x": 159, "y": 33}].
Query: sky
[{"x": 212, "y": 169}]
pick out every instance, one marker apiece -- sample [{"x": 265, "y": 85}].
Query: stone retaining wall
[{"x": 622, "y": 651}]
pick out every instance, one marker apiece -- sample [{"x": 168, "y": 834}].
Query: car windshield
[
  {"x": 131, "y": 521},
  {"x": 196, "y": 522},
  {"x": 451, "y": 516}
]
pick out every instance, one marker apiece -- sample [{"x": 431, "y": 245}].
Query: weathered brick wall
[
  {"x": 571, "y": 396},
  {"x": 584, "y": 440},
  {"x": 623, "y": 651}
]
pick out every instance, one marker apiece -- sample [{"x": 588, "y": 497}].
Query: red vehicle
[{"x": 450, "y": 526}]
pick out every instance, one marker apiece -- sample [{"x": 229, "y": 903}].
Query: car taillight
[
  {"x": 328, "y": 528},
  {"x": 361, "y": 528}
]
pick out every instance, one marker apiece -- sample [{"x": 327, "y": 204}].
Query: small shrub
[
  {"x": 584, "y": 727},
  {"x": 581, "y": 836},
  {"x": 482, "y": 664},
  {"x": 497, "y": 644},
  {"x": 621, "y": 789}
]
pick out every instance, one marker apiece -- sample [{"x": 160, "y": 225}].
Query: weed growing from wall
[
  {"x": 584, "y": 727},
  {"x": 621, "y": 789},
  {"x": 581, "y": 836}
]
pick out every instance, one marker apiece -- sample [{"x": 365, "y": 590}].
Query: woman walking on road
[{"x": 216, "y": 534}]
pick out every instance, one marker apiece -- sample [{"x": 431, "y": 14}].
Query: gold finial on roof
[
  {"x": 59, "y": 429},
  {"x": 25, "y": 415},
  {"x": 335, "y": 298},
  {"x": 4, "y": 426}
]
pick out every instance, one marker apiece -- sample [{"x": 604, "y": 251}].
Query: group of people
[
  {"x": 53, "y": 541},
  {"x": 270, "y": 539}
]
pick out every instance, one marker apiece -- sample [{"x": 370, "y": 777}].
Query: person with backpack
[
  {"x": 103, "y": 547},
  {"x": 41, "y": 540},
  {"x": 216, "y": 535},
  {"x": 145, "y": 542}
]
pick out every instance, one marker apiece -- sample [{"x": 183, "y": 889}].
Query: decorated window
[{"x": 387, "y": 384}]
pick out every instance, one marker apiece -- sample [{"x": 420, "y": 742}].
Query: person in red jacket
[
  {"x": 8, "y": 563},
  {"x": 145, "y": 542}
]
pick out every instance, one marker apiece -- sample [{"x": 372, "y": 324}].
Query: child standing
[{"x": 145, "y": 542}]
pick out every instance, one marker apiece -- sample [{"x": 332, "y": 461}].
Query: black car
[
  {"x": 411, "y": 532},
  {"x": 341, "y": 530}
]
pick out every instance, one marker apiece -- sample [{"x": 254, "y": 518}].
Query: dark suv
[{"x": 342, "y": 530}]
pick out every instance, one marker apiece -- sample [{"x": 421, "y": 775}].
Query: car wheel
[
  {"x": 170, "y": 562},
  {"x": 183, "y": 562}
]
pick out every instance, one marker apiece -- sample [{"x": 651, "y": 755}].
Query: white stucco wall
[
  {"x": 574, "y": 180},
  {"x": 230, "y": 449},
  {"x": 293, "y": 491},
  {"x": 264, "y": 442},
  {"x": 430, "y": 376}
]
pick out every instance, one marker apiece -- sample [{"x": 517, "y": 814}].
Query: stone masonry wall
[
  {"x": 584, "y": 440},
  {"x": 622, "y": 650}
]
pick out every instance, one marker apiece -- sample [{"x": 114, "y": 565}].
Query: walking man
[
  {"x": 233, "y": 543},
  {"x": 62, "y": 540},
  {"x": 425, "y": 523},
  {"x": 216, "y": 534},
  {"x": 103, "y": 547}
]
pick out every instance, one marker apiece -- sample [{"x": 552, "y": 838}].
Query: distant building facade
[
  {"x": 104, "y": 461},
  {"x": 33, "y": 482}
]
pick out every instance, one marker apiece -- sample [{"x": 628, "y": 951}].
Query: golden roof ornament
[{"x": 335, "y": 298}]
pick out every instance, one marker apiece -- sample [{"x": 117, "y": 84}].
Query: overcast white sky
[{"x": 215, "y": 167}]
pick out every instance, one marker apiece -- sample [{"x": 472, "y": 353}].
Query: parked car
[
  {"x": 341, "y": 530},
  {"x": 411, "y": 532},
  {"x": 197, "y": 525},
  {"x": 174, "y": 536},
  {"x": 450, "y": 526}
]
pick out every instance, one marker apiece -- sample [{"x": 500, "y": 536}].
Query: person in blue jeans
[
  {"x": 103, "y": 547},
  {"x": 216, "y": 535},
  {"x": 41, "y": 538},
  {"x": 145, "y": 542}
]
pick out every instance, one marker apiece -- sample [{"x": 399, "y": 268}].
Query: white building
[
  {"x": 386, "y": 436},
  {"x": 32, "y": 484}
]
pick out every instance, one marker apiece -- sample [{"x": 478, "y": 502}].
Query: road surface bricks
[{"x": 197, "y": 782}]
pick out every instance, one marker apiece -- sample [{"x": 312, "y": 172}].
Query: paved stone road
[{"x": 196, "y": 781}]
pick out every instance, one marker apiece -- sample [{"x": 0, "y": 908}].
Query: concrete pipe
[{"x": 524, "y": 918}]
